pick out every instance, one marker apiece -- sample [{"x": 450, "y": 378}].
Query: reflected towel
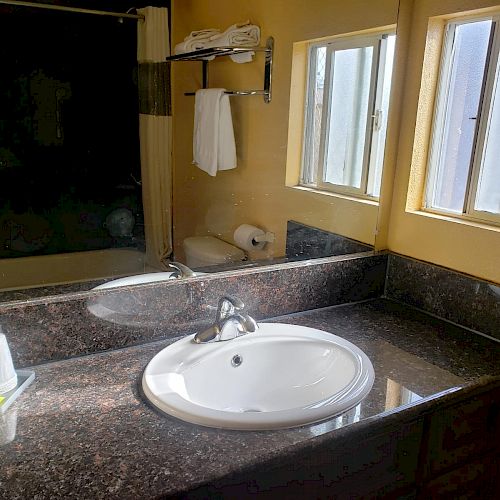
[
  {"x": 196, "y": 40},
  {"x": 237, "y": 35},
  {"x": 214, "y": 147}
]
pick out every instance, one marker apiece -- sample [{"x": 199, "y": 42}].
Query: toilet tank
[{"x": 202, "y": 251}]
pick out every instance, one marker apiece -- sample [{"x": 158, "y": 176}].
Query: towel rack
[{"x": 203, "y": 54}]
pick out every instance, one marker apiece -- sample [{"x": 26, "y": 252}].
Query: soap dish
[{"x": 24, "y": 379}]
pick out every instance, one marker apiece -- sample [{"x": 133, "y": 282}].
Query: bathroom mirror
[{"x": 77, "y": 209}]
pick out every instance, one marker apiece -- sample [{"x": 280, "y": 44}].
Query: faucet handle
[
  {"x": 229, "y": 323},
  {"x": 228, "y": 305},
  {"x": 181, "y": 270},
  {"x": 248, "y": 324}
]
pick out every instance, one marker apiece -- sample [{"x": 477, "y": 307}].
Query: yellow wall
[
  {"x": 40, "y": 270},
  {"x": 463, "y": 246},
  {"x": 255, "y": 192}
]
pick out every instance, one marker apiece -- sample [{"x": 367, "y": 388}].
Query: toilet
[{"x": 204, "y": 251}]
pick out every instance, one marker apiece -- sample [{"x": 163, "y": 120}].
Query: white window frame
[
  {"x": 312, "y": 175},
  {"x": 490, "y": 78}
]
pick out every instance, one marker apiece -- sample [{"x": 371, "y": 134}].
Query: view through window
[{"x": 464, "y": 172}]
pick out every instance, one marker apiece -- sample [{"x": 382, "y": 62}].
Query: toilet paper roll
[{"x": 245, "y": 235}]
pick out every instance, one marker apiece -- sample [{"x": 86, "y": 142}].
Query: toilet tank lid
[{"x": 210, "y": 247}]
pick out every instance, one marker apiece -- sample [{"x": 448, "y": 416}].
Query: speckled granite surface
[
  {"x": 307, "y": 242},
  {"x": 24, "y": 294},
  {"x": 448, "y": 294},
  {"x": 83, "y": 431},
  {"x": 53, "y": 328}
]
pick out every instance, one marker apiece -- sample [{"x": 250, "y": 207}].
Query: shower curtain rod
[{"x": 120, "y": 15}]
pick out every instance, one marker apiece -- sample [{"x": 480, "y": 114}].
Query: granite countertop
[{"x": 82, "y": 430}]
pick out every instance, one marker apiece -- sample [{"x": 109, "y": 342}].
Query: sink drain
[{"x": 236, "y": 360}]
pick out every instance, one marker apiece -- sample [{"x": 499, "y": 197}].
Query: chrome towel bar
[{"x": 202, "y": 55}]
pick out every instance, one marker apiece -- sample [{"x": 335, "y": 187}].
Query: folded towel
[
  {"x": 244, "y": 57},
  {"x": 205, "y": 33},
  {"x": 241, "y": 34},
  {"x": 237, "y": 35},
  {"x": 196, "y": 40},
  {"x": 213, "y": 139}
]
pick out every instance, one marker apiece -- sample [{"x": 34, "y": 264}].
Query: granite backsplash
[
  {"x": 307, "y": 242},
  {"x": 57, "y": 327},
  {"x": 54, "y": 328},
  {"x": 453, "y": 296}
]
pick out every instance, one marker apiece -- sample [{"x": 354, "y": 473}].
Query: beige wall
[
  {"x": 463, "y": 246},
  {"x": 255, "y": 192},
  {"x": 41, "y": 270}
]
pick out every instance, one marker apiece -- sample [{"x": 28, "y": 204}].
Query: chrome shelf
[{"x": 203, "y": 54}]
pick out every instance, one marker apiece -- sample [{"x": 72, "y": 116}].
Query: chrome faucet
[
  {"x": 229, "y": 322},
  {"x": 180, "y": 270}
]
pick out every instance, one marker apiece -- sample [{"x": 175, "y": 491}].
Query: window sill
[
  {"x": 330, "y": 194},
  {"x": 457, "y": 220}
]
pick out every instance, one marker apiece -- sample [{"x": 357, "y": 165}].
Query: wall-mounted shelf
[{"x": 203, "y": 55}]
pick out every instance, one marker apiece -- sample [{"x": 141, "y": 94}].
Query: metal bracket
[{"x": 201, "y": 55}]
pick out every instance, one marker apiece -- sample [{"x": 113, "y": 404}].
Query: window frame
[
  {"x": 377, "y": 40},
  {"x": 491, "y": 78}
]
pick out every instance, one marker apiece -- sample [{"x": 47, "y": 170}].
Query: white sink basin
[{"x": 288, "y": 376}]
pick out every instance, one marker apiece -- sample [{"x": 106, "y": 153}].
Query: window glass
[
  {"x": 456, "y": 124},
  {"x": 350, "y": 94},
  {"x": 315, "y": 109},
  {"x": 346, "y": 113},
  {"x": 488, "y": 195},
  {"x": 380, "y": 118}
]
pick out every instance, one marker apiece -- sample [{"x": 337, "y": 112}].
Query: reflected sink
[
  {"x": 279, "y": 377},
  {"x": 136, "y": 280}
]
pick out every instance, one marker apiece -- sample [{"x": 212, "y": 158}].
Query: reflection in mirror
[
  {"x": 128, "y": 309},
  {"x": 88, "y": 192},
  {"x": 397, "y": 395},
  {"x": 8, "y": 426},
  {"x": 70, "y": 172}
]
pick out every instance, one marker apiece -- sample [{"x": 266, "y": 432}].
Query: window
[
  {"x": 349, "y": 82},
  {"x": 463, "y": 177}
]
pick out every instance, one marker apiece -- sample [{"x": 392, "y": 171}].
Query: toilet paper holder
[
  {"x": 251, "y": 238},
  {"x": 267, "y": 237}
]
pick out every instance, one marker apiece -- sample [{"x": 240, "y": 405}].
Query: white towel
[
  {"x": 213, "y": 139},
  {"x": 237, "y": 35},
  {"x": 196, "y": 40}
]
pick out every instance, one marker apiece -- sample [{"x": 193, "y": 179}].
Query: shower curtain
[{"x": 155, "y": 131}]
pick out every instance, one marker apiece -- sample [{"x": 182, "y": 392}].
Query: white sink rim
[
  {"x": 332, "y": 405},
  {"x": 136, "y": 279}
]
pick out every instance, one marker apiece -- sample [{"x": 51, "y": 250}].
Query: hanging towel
[
  {"x": 213, "y": 139},
  {"x": 196, "y": 40}
]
